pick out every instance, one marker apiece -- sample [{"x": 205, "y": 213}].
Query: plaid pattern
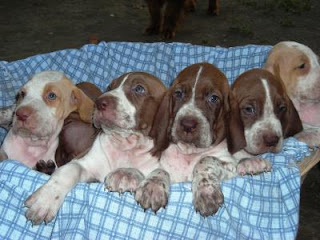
[{"x": 265, "y": 206}]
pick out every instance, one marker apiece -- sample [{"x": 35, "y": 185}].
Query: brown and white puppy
[
  {"x": 267, "y": 113},
  {"x": 42, "y": 105},
  {"x": 190, "y": 133},
  {"x": 125, "y": 114},
  {"x": 299, "y": 69},
  {"x": 173, "y": 14}
]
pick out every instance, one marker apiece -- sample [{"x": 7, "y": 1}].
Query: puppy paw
[
  {"x": 43, "y": 205},
  {"x": 153, "y": 192},
  {"x": 207, "y": 197},
  {"x": 310, "y": 137},
  {"x": 253, "y": 166},
  {"x": 123, "y": 180},
  {"x": 46, "y": 167}
]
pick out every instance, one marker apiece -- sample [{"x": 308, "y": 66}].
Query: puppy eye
[
  {"x": 302, "y": 66},
  {"x": 178, "y": 94},
  {"x": 139, "y": 89},
  {"x": 20, "y": 95},
  {"x": 250, "y": 110},
  {"x": 51, "y": 96},
  {"x": 213, "y": 98},
  {"x": 282, "y": 108}
]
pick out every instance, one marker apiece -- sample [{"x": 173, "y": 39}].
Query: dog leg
[
  {"x": 310, "y": 136},
  {"x": 44, "y": 203},
  {"x": 213, "y": 7},
  {"x": 173, "y": 14},
  {"x": 154, "y": 7},
  {"x": 207, "y": 194},
  {"x": 6, "y": 116},
  {"x": 123, "y": 180},
  {"x": 153, "y": 192},
  {"x": 254, "y": 165}
]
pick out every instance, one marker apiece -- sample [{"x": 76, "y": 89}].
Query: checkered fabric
[{"x": 265, "y": 206}]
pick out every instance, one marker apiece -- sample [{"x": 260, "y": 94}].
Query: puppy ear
[
  {"x": 235, "y": 129},
  {"x": 83, "y": 105},
  {"x": 162, "y": 125},
  {"x": 291, "y": 123}
]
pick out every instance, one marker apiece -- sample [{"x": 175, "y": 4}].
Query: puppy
[
  {"x": 125, "y": 115},
  {"x": 174, "y": 12},
  {"x": 190, "y": 131},
  {"x": 266, "y": 111},
  {"x": 42, "y": 105},
  {"x": 298, "y": 67}
]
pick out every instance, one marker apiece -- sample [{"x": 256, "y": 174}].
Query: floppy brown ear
[
  {"x": 235, "y": 129},
  {"x": 291, "y": 123},
  {"x": 162, "y": 124},
  {"x": 84, "y": 105}
]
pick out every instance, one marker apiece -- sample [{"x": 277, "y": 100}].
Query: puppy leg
[
  {"x": 153, "y": 192},
  {"x": 254, "y": 165},
  {"x": 6, "y": 116},
  {"x": 44, "y": 203},
  {"x": 207, "y": 194},
  {"x": 213, "y": 7},
  {"x": 154, "y": 7},
  {"x": 123, "y": 180},
  {"x": 173, "y": 14}
]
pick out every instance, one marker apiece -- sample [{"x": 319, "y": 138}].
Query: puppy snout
[
  {"x": 270, "y": 140},
  {"x": 103, "y": 103},
  {"x": 189, "y": 124},
  {"x": 24, "y": 113}
]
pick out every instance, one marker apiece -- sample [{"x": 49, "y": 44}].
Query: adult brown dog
[{"x": 173, "y": 14}]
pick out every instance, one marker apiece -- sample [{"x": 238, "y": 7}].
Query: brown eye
[
  {"x": 178, "y": 94},
  {"x": 302, "y": 66},
  {"x": 282, "y": 108},
  {"x": 249, "y": 110}
]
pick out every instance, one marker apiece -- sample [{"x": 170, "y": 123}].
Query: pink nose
[
  {"x": 188, "y": 124},
  {"x": 24, "y": 113}
]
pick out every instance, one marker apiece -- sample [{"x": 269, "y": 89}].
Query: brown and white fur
[
  {"x": 190, "y": 133},
  {"x": 299, "y": 69},
  {"x": 266, "y": 111},
  {"x": 125, "y": 115},
  {"x": 42, "y": 105}
]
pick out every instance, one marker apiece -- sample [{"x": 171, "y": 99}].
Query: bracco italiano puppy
[
  {"x": 125, "y": 115},
  {"x": 42, "y": 105},
  {"x": 190, "y": 133},
  {"x": 298, "y": 67},
  {"x": 267, "y": 113}
]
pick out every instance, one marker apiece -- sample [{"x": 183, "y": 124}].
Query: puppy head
[
  {"x": 298, "y": 67},
  {"x": 193, "y": 110},
  {"x": 267, "y": 113},
  {"x": 130, "y": 103},
  {"x": 44, "y": 102}
]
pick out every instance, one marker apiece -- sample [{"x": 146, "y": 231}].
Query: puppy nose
[
  {"x": 23, "y": 113},
  {"x": 102, "y": 103},
  {"x": 188, "y": 124},
  {"x": 270, "y": 140}
]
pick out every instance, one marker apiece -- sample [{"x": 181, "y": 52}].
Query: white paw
[{"x": 43, "y": 205}]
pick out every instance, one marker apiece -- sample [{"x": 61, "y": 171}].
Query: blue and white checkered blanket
[{"x": 259, "y": 207}]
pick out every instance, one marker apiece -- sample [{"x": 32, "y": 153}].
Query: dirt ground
[{"x": 31, "y": 27}]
